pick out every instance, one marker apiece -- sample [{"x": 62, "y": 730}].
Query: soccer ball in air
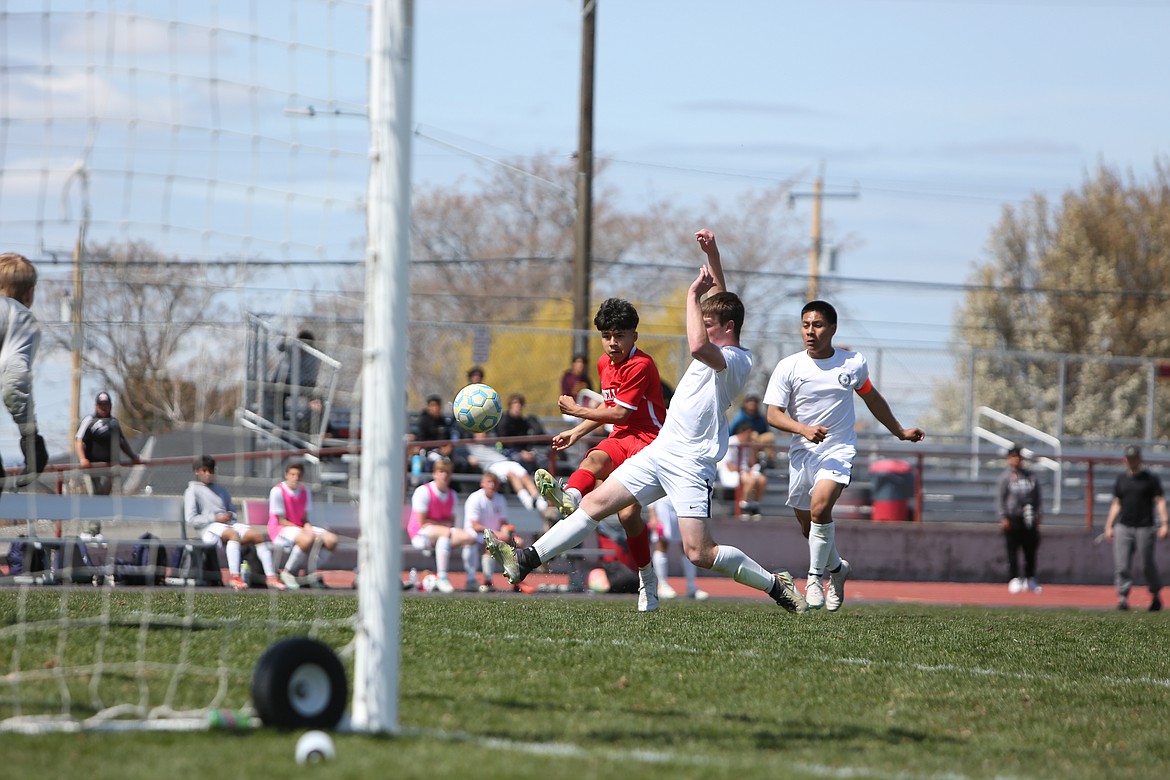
[{"x": 477, "y": 408}]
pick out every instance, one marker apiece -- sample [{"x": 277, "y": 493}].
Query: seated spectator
[
  {"x": 435, "y": 425},
  {"x": 474, "y": 375},
  {"x": 516, "y": 423},
  {"x": 762, "y": 435},
  {"x": 663, "y": 524},
  {"x": 485, "y": 509},
  {"x": 617, "y": 571},
  {"x": 209, "y": 511},
  {"x": 488, "y": 458},
  {"x": 432, "y": 522},
  {"x": 736, "y": 469},
  {"x": 290, "y": 505}
]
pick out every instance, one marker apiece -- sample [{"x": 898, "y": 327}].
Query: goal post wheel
[{"x": 300, "y": 683}]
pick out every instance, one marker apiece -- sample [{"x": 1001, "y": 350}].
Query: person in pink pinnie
[{"x": 290, "y": 505}]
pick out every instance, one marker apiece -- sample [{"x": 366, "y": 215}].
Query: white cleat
[
  {"x": 665, "y": 591},
  {"x": 814, "y": 592},
  {"x": 835, "y": 593}
]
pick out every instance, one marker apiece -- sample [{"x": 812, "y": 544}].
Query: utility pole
[
  {"x": 817, "y": 243},
  {"x": 583, "y": 255}
]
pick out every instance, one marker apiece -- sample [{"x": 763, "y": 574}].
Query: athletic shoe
[
  {"x": 237, "y": 582},
  {"x": 1016, "y": 584},
  {"x": 443, "y": 585},
  {"x": 665, "y": 591},
  {"x": 647, "y": 589},
  {"x": 471, "y": 586},
  {"x": 814, "y": 592},
  {"x": 489, "y": 588},
  {"x": 1123, "y": 603},
  {"x": 1032, "y": 585},
  {"x": 1156, "y": 604},
  {"x": 785, "y": 593},
  {"x": 509, "y": 559},
  {"x": 552, "y": 491},
  {"x": 835, "y": 593},
  {"x": 289, "y": 580},
  {"x": 273, "y": 583},
  {"x": 699, "y": 595}
]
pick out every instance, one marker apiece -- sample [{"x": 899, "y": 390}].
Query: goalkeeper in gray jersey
[{"x": 20, "y": 335}]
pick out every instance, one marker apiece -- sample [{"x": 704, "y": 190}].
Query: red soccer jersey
[{"x": 634, "y": 384}]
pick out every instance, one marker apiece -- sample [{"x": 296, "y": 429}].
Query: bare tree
[{"x": 142, "y": 311}]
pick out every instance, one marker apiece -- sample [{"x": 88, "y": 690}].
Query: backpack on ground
[{"x": 147, "y": 564}]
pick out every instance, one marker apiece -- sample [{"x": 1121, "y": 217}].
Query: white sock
[
  {"x": 295, "y": 559},
  {"x": 689, "y": 570},
  {"x": 525, "y": 498},
  {"x": 820, "y": 542},
  {"x": 565, "y": 535},
  {"x": 233, "y": 556},
  {"x": 442, "y": 556},
  {"x": 575, "y": 493},
  {"x": 661, "y": 563},
  {"x": 264, "y": 553},
  {"x": 485, "y": 565},
  {"x": 541, "y": 504},
  {"x": 469, "y": 553},
  {"x": 733, "y": 562}
]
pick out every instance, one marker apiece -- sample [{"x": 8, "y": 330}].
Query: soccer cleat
[
  {"x": 835, "y": 593},
  {"x": 785, "y": 594},
  {"x": 554, "y": 493},
  {"x": 647, "y": 589},
  {"x": 1156, "y": 604},
  {"x": 505, "y": 555},
  {"x": 443, "y": 585},
  {"x": 472, "y": 585},
  {"x": 1032, "y": 585},
  {"x": 289, "y": 580},
  {"x": 237, "y": 582},
  {"x": 699, "y": 595},
  {"x": 273, "y": 583},
  {"x": 665, "y": 591},
  {"x": 1123, "y": 603},
  {"x": 814, "y": 592}
]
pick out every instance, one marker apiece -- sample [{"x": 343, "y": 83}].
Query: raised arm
[{"x": 707, "y": 243}]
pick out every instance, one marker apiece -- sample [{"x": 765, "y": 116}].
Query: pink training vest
[
  {"x": 440, "y": 511},
  {"x": 294, "y": 510}
]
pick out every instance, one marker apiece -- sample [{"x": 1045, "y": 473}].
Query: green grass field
[{"x": 586, "y": 687}]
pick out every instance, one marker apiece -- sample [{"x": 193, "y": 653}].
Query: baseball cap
[
  {"x": 102, "y": 398},
  {"x": 1133, "y": 451}
]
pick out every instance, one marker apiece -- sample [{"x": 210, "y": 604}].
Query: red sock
[
  {"x": 583, "y": 480},
  {"x": 640, "y": 547}
]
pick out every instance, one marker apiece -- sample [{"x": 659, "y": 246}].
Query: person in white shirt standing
[
  {"x": 810, "y": 395},
  {"x": 680, "y": 462}
]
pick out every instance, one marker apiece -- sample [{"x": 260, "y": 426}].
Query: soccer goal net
[{"x": 190, "y": 181}]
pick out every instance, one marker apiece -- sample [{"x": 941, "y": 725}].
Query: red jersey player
[{"x": 634, "y": 406}]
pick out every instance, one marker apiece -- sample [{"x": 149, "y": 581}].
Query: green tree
[{"x": 1084, "y": 282}]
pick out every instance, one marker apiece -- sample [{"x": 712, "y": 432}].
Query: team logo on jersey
[{"x": 845, "y": 379}]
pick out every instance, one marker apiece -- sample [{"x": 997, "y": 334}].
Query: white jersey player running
[
  {"x": 680, "y": 462},
  {"x": 810, "y": 395}
]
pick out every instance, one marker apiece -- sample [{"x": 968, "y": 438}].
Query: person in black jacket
[{"x": 1017, "y": 501}]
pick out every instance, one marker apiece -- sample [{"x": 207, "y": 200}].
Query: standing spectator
[
  {"x": 209, "y": 511},
  {"x": 290, "y": 505},
  {"x": 485, "y": 509},
  {"x": 810, "y": 395},
  {"x": 1017, "y": 502},
  {"x": 96, "y": 439},
  {"x": 296, "y": 375},
  {"x": 20, "y": 335},
  {"x": 749, "y": 412},
  {"x": 432, "y": 521},
  {"x": 1131, "y": 525},
  {"x": 574, "y": 380},
  {"x": 516, "y": 423}
]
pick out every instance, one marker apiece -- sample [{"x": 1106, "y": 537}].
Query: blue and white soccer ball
[{"x": 477, "y": 408}]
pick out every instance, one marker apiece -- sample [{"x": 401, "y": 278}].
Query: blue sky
[{"x": 938, "y": 112}]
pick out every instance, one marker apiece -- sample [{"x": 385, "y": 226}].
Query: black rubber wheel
[{"x": 299, "y": 683}]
